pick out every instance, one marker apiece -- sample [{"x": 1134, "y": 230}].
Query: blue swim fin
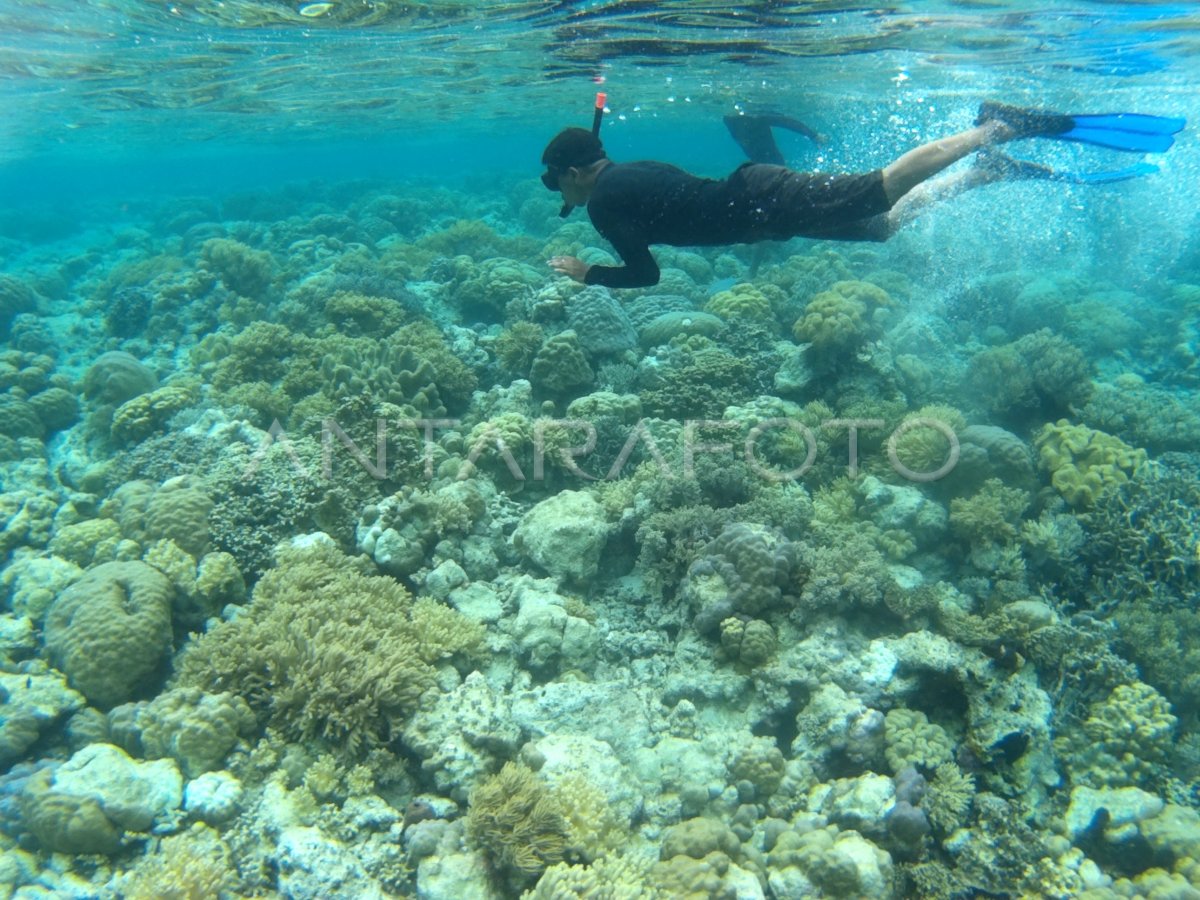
[
  {"x": 1130, "y": 132},
  {"x": 1132, "y": 135},
  {"x": 1002, "y": 167}
]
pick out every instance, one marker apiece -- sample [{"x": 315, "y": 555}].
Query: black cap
[{"x": 573, "y": 148}]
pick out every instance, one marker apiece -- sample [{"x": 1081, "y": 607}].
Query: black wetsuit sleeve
[{"x": 640, "y": 269}]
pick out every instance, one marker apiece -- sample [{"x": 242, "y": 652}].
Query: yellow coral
[
  {"x": 137, "y": 419},
  {"x": 840, "y": 318},
  {"x": 1083, "y": 462},
  {"x": 518, "y": 822},
  {"x": 743, "y": 303},
  {"x": 912, "y": 740},
  {"x": 193, "y": 865}
]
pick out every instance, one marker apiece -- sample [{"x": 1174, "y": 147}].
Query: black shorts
[{"x": 782, "y": 203}]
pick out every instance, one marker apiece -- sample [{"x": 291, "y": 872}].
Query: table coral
[{"x": 110, "y": 632}]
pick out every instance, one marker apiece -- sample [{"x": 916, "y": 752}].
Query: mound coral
[
  {"x": 601, "y": 322},
  {"x": 746, "y": 570},
  {"x": 1133, "y": 731},
  {"x": 992, "y": 515},
  {"x": 517, "y": 346},
  {"x": 195, "y": 729},
  {"x": 702, "y": 386},
  {"x": 744, "y": 303},
  {"x": 1039, "y": 373},
  {"x": 749, "y": 643},
  {"x": 839, "y": 320},
  {"x": 666, "y": 327},
  {"x": 110, "y": 631},
  {"x": 242, "y": 269},
  {"x": 912, "y": 740},
  {"x": 560, "y": 366},
  {"x": 137, "y": 419},
  {"x": 117, "y": 377},
  {"x": 15, "y": 298}
]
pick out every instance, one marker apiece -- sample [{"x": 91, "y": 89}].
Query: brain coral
[
  {"x": 600, "y": 322},
  {"x": 110, "y": 631},
  {"x": 116, "y": 377},
  {"x": 746, "y": 569}
]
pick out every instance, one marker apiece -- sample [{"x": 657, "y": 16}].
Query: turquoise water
[{"x": 349, "y": 551}]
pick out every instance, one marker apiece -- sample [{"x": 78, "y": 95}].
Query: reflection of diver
[
  {"x": 635, "y": 205},
  {"x": 753, "y": 134}
]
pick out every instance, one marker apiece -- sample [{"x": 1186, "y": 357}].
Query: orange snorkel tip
[{"x": 598, "y": 116}]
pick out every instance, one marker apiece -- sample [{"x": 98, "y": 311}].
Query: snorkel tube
[
  {"x": 597, "y": 118},
  {"x": 598, "y": 115}
]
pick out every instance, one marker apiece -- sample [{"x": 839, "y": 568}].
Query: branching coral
[
  {"x": 326, "y": 651},
  {"x": 519, "y": 822}
]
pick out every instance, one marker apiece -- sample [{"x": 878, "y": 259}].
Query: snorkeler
[{"x": 634, "y": 205}]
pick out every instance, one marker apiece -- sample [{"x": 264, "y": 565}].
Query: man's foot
[
  {"x": 1024, "y": 122},
  {"x": 993, "y": 165}
]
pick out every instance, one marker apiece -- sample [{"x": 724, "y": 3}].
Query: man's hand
[{"x": 571, "y": 266}]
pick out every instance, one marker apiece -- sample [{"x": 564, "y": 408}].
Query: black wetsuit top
[{"x": 634, "y": 205}]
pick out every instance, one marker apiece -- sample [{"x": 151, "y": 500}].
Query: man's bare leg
[
  {"x": 923, "y": 162},
  {"x": 934, "y": 190}
]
